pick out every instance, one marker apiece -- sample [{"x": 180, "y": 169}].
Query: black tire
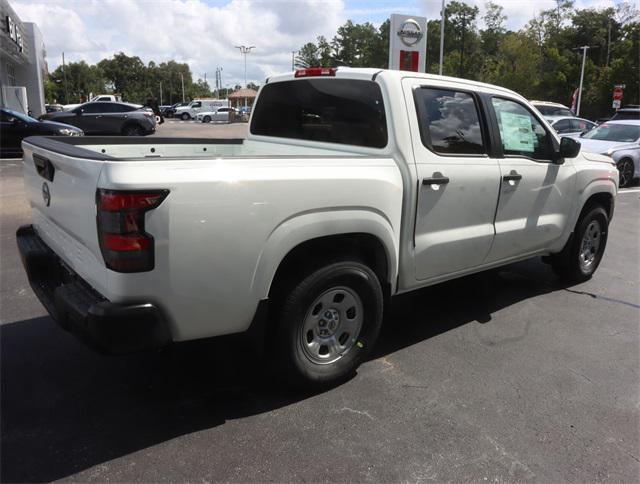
[
  {"x": 294, "y": 365},
  {"x": 132, "y": 130},
  {"x": 570, "y": 264},
  {"x": 185, "y": 116},
  {"x": 626, "y": 170},
  {"x": 206, "y": 119}
]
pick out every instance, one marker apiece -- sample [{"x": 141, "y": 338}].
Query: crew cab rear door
[{"x": 458, "y": 179}]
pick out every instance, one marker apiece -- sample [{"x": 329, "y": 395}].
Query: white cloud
[
  {"x": 192, "y": 31},
  {"x": 203, "y": 33}
]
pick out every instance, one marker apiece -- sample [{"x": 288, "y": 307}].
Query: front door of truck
[
  {"x": 536, "y": 195},
  {"x": 458, "y": 179}
]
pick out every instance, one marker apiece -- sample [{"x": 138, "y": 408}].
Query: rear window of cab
[{"x": 342, "y": 111}]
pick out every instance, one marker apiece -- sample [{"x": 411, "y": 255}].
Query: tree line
[
  {"x": 540, "y": 61},
  {"x": 130, "y": 77}
]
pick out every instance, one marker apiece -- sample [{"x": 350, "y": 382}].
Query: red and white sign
[
  {"x": 618, "y": 93},
  {"x": 408, "y": 43}
]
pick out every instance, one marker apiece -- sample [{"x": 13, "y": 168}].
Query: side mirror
[
  {"x": 79, "y": 112},
  {"x": 569, "y": 148}
]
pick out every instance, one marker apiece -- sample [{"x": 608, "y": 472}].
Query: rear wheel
[
  {"x": 626, "y": 169},
  {"x": 581, "y": 256},
  {"x": 326, "y": 324},
  {"x": 132, "y": 130},
  {"x": 185, "y": 116}
]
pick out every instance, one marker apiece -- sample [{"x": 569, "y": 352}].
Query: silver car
[
  {"x": 570, "y": 124},
  {"x": 621, "y": 141}
]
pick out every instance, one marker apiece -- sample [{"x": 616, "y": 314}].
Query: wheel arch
[{"x": 310, "y": 239}]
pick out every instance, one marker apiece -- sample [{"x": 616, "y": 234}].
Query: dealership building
[{"x": 22, "y": 63}]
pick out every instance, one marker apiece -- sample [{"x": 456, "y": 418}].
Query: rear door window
[
  {"x": 449, "y": 121},
  {"x": 343, "y": 111}
]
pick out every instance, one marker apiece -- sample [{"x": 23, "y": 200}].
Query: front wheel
[
  {"x": 206, "y": 119},
  {"x": 581, "y": 257},
  {"x": 185, "y": 116},
  {"x": 327, "y": 324},
  {"x": 626, "y": 170}
]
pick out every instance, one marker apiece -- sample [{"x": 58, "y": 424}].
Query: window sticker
[{"x": 517, "y": 132}]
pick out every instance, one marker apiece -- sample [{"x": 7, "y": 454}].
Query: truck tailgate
[{"x": 62, "y": 191}]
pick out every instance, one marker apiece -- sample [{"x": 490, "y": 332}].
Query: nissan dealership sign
[{"x": 408, "y": 43}]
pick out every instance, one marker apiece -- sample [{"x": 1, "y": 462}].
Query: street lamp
[
  {"x": 244, "y": 50},
  {"x": 584, "y": 58}
]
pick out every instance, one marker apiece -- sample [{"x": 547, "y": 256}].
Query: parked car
[
  {"x": 170, "y": 111},
  {"x": 621, "y": 141},
  {"x": 15, "y": 126},
  {"x": 114, "y": 98},
  {"x": 198, "y": 106},
  {"x": 570, "y": 124},
  {"x": 626, "y": 113},
  {"x": 548, "y": 108},
  {"x": 218, "y": 115},
  {"x": 52, "y": 108},
  {"x": 108, "y": 118},
  {"x": 300, "y": 235}
]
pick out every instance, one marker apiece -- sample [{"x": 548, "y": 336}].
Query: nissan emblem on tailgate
[{"x": 46, "y": 196}]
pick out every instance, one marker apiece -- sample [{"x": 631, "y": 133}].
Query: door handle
[
  {"x": 513, "y": 176},
  {"x": 437, "y": 180}
]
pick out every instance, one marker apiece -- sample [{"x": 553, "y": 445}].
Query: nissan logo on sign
[{"x": 410, "y": 32}]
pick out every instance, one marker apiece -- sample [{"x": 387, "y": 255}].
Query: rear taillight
[
  {"x": 316, "y": 71},
  {"x": 124, "y": 244}
]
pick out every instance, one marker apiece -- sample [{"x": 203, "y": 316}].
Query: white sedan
[{"x": 219, "y": 115}]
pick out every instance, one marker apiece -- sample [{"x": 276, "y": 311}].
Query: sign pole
[{"x": 441, "y": 37}]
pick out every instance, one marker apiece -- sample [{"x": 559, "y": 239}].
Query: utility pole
[
  {"x": 293, "y": 57},
  {"x": 441, "y": 37},
  {"x": 584, "y": 58},
  {"x": 64, "y": 72},
  {"x": 608, "y": 42},
  {"x": 464, "y": 26},
  {"x": 160, "y": 93},
  {"x": 182, "y": 82},
  {"x": 244, "y": 50}
]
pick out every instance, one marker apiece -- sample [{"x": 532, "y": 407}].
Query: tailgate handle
[{"x": 44, "y": 167}]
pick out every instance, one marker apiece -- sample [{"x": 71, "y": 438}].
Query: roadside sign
[
  {"x": 408, "y": 43},
  {"x": 618, "y": 93}
]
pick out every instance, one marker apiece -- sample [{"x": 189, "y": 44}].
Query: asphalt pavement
[{"x": 503, "y": 376}]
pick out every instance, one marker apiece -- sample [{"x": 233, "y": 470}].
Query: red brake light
[
  {"x": 316, "y": 72},
  {"x": 114, "y": 201},
  {"x": 124, "y": 244}
]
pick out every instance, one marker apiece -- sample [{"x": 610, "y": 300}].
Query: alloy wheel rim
[
  {"x": 625, "y": 172},
  {"x": 590, "y": 245},
  {"x": 331, "y": 325}
]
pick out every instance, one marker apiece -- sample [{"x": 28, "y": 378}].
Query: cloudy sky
[{"x": 203, "y": 33}]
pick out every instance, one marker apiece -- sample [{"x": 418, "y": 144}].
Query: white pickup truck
[{"x": 354, "y": 185}]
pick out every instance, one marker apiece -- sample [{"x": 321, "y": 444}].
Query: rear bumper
[{"x": 106, "y": 326}]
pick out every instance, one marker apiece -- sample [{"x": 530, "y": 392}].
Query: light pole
[
  {"x": 244, "y": 50},
  {"x": 584, "y": 58},
  {"x": 293, "y": 57},
  {"x": 182, "y": 82},
  {"x": 441, "y": 37}
]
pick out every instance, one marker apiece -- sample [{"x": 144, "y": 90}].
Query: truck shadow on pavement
[{"x": 66, "y": 409}]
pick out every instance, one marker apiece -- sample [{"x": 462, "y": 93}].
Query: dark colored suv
[
  {"x": 625, "y": 114},
  {"x": 108, "y": 118}
]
